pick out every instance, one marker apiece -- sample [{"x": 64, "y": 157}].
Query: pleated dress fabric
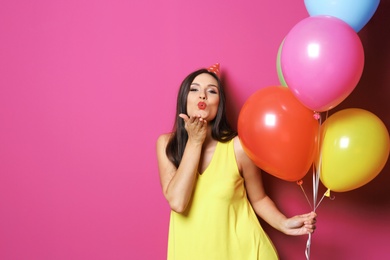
[{"x": 219, "y": 222}]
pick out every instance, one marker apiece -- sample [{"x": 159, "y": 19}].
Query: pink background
[{"x": 87, "y": 86}]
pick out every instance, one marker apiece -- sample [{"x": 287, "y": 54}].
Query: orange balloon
[{"x": 278, "y": 133}]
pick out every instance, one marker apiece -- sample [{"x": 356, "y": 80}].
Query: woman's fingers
[
  {"x": 185, "y": 117},
  {"x": 196, "y": 126},
  {"x": 193, "y": 120}
]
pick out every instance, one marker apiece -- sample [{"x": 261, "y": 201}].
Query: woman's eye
[
  {"x": 193, "y": 89},
  {"x": 212, "y": 91}
]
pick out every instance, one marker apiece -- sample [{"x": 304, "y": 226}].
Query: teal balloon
[{"x": 356, "y": 13}]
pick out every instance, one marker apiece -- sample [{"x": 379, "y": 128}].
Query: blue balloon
[{"x": 356, "y": 13}]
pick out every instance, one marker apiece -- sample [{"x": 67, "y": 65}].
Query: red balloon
[{"x": 278, "y": 133}]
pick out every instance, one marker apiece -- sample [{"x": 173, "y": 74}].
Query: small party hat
[{"x": 215, "y": 69}]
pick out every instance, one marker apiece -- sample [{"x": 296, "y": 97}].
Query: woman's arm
[
  {"x": 178, "y": 183},
  {"x": 263, "y": 205}
]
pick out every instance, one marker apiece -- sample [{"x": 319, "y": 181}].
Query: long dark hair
[{"x": 221, "y": 129}]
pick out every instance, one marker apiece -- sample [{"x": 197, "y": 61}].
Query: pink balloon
[{"x": 322, "y": 61}]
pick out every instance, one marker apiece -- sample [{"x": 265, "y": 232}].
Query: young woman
[{"x": 214, "y": 190}]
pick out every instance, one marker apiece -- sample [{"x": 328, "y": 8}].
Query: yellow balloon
[{"x": 354, "y": 149}]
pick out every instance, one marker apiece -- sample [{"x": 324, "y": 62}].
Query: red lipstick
[{"x": 202, "y": 105}]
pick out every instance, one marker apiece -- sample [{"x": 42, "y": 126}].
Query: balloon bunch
[{"x": 319, "y": 63}]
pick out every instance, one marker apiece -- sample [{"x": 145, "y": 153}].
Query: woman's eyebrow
[{"x": 209, "y": 85}]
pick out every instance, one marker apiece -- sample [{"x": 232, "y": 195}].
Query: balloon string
[
  {"x": 308, "y": 244},
  {"x": 316, "y": 181},
  {"x": 326, "y": 194},
  {"x": 304, "y": 193},
  {"x": 323, "y": 196},
  {"x": 318, "y": 171},
  {"x": 315, "y": 192}
]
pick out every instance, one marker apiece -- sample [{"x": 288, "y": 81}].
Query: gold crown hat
[{"x": 215, "y": 69}]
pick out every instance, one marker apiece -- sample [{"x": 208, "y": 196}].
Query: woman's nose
[{"x": 202, "y": 95}]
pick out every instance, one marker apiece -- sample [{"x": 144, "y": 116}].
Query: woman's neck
[{"x": 209, "y": 139}]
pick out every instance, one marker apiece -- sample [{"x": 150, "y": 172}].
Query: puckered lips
[{"x": 202, "y": 105}]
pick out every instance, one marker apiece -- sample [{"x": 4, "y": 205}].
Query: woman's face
[{"x": 203, "y": 97}]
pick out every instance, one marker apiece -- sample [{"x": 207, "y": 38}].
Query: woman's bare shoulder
[
  {"x": 237, "y": 146},
  {"x": 241, "y": 156},
  {"x": 245, "y": 164},
  {"x": 163, "y": 139}
]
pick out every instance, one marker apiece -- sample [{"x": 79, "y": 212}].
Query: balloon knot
[
  {"x": 327, "y": 194},
  {"x": 316, "y": 116},
  {"x": 300, "y": 182}
]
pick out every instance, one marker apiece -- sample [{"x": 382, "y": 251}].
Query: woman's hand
[
  {"x": 196, "y": 128},
  {"x": 301, "y": 224}
]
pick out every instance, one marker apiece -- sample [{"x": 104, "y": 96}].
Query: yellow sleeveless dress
[{"x": 219, "y": 222}]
